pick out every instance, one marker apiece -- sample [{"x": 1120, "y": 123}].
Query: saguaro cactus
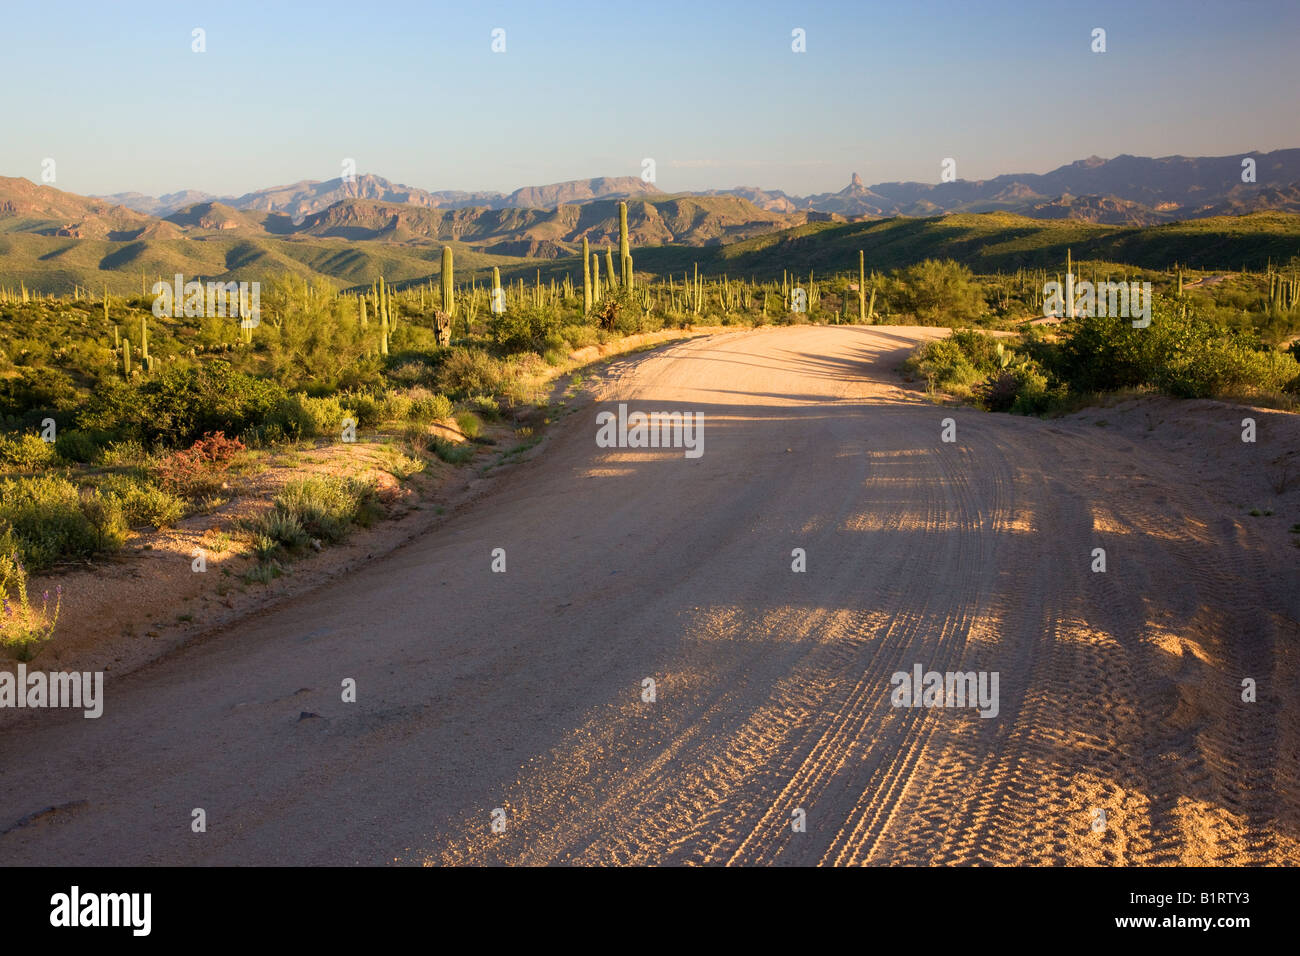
[
  {"x": 1069, "y": 285},
  {"x": 862, "y": 287},
  {"x": 586, "y": 277},
  {"x": 624, "y": 251},
  {"x": 595, "y": 277},
  {"x": 126, "y": 357},
  {"x": 609, "y": 268},
  {"x": 144, "y": 340},
  {"x": 448, "y": 283}
]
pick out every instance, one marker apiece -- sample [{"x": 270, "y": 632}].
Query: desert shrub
[
  {"x": 452, "y": 452},
  {"x": 325, "y": 507},
  {"x": 1021, "y": 389},
  {"x": 50, "y": 520},
  {"x": 303, "y": 416},
  {"x": 286, "y": 530},
  {"x": 123, "y": 454},
  {"x": 430, "y": 408},
  {"x": 471, "y": 372},
  {"x": 181, "y": 404},
  {"x": 580, "y": 336},
  {"x": 980, "y": 350},
  {"x": 199, "y": 470},
  {"x": 944, "y": 365},
  {"x": 24, "y": 629},
  {"x": 26, "y": 452},
  {"x": 362, "y": 407},
  {"x": 1180, "y": 354},
  {"x": 486, "y": 407},
  {"x": 469, "y": 424},
  {"x": 37, "y": 389},
  {"x": 72, "y": 444},
  {"x": 144, "y": 504},
  {"x": 524, "y": 328},
  {"x": 937, "y": 292},
  {"x": 396, "y": 406}
]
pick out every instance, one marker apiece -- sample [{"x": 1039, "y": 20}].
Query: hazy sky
[{"x": 710, "y": 90}]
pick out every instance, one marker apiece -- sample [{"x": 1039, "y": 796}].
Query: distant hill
[
  {"x": 999, "y": 241},
  {"x": 1125, "y": 190},
  {"x": 46, "y": 211},
  {"x": 301, "y": 199}
]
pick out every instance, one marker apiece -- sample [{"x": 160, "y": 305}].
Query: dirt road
[{"x": 1118, "y": 691}]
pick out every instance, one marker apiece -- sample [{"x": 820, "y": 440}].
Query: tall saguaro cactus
[
  {"x": 144, "y": 340},
  {"x": 448, "y": 284},
  {"x": 624, "y": 251},
  {"x": 609, "y": 269},
  {"x": 862, "y": 287},
  {"x": 1069, "y": 285},
  {"x": 586, "y": 276}
]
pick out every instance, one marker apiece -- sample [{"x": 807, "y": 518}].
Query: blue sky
[{"x": 711, "y": 91}]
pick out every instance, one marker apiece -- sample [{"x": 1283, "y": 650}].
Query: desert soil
[{"x": 523, "y": 691}]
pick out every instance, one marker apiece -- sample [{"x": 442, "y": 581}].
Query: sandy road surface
[{"x": 523, "y": 691}]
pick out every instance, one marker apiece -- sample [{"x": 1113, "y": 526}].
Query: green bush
[
  {"x": 124, "y": 454},
  {"x": 181, "y": 404},
  {"x": 580, "y": 336},
  {"x": 26, "y": 452},
  {"x": 944, "y": 365},
  {"x": 143, "y": 503},
  {"x": 524, "y": 328},
  {"x": 323, "y": 507},
  {"x": 1180, "y": 354},
  {"x": 1021, "y": 390},
  {"x": 937, "y": 292},
  {"x": 396, "y": 406},
  {"x": 302, "y": 416},
  {"x": 471, "y": 372},
  {"x": 35, "y": 390},
  {"x": 363, "y": 408},
  {"x": 430, "y": 408},
  {"x": 75, "y": 445},
  {"x": 486, "y": 407},
  {"x": 50, "y": 520},
  {"x": 469, "y": 425},
  {"x": 451, "y": 452}
]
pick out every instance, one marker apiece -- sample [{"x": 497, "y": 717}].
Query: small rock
[
  {"x": 315, "y": 544},
  {"x": 307, "y": 715}
]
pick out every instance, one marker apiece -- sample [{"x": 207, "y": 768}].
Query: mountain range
[{"x": 1125, "y": 190}]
